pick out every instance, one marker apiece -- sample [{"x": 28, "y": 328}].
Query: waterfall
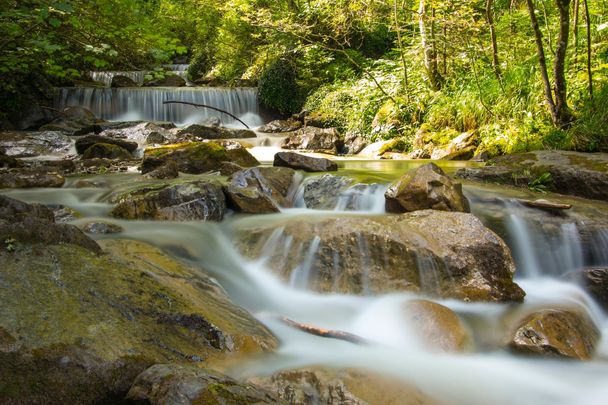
[{"x": 133, "y": 104}]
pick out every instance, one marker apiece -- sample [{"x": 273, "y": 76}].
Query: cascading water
[{"x": 132, "y": 104}]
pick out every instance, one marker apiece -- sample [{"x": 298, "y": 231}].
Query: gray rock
[
  {"x": 275, "y": 182},
  {"x": 97, "y": 228},
  {"x": 20, "y": 144},
  {"x": 306, "y": 163},
  {"x": 278, "y": 126},
  {"x": 323, "y": 192},
  {"x": 29, "y": 178},
  {"x": 325, "y": 140}
]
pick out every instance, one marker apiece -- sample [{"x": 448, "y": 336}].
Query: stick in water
[
  {"x": 327, "y": 333},
  {"x": 206, "y": 106}
]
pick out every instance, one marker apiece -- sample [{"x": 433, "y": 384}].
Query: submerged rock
[
  {"x": 101, "y": 228},
  {"x": 197, "y": 157},
  {"x": 444, "y": 254},
  {"x": 324, "y": 140},
  {"x": 178, "y": 201},
  {"x": 306, "y": 163},
  {"x": 426, "y": 187},
  {"x": 79, "y": 328},
  {"x": 174, "y": 384},
  {"x": 556, "y": 333}
]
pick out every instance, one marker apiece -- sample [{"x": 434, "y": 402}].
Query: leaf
[
  {"x": 54, "y": 22},
  {"x": 65, "y": 7}
]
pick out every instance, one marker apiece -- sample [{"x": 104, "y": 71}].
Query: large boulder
[
  {"x": 73, "y": 121},
  {"x": 426, "y": 187},
  {"x": 79, "y": 328},
  {"x": 106, "y": 151},
  {"x": 196, "y": 132},
  {"x": 178, "y": 201},
  {"x": 167, "y": 81},
  {"x": 324, "y": 140},
  {"x": 460, "y": 148},
  {"x": 197, "y": 157},
  {"x": 250, "y": 200},
  {"x": 444, "y": 254},
  {"x": 323, "y": 192},
  {"x": 278, "y": 126},
  {"x": 122, "y": 81},
  {"x": 574, "y": 173},
  {"x": 175, "y": 384},
  {"x": 306, "y": 163},
  {"x": 354, "y": 143},
  {"x": 21, "y": 144},
  {"x": 140, "y": 132},
  {"x": 277, "y": 183},
  {"x": 85, "y": 142},
  {"x": 30, "y": 178},
  {"x": 556, "y": 333}
]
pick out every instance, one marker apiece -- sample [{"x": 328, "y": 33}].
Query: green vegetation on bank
[{"x": 383, "y": 69}]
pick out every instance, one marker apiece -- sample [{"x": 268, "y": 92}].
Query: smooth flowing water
[{"x": 487, "y": 375}]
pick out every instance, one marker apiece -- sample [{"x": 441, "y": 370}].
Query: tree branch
[
  {"x": 327, "y": 333},
  {"x": 206, "y": 106}
]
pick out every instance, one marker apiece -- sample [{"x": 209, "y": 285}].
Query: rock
[
  {"x": 79, "y": 328},
  {"x": 97, "y": 228},
  {"x": 28, "y": 178},
  {"x": 123, "y": 81},
  {"x": 374, "y": 150},
  {"x": 462, "y": 147},
  {"x": 106, "y": 151},
  {"x": 140, "y": 132},
  {"x": 439, "y": 253},
  {"x": 63, "y": 214},
  {"x": 212, "y": 122},
  {"x": 556, "y": 333},
  {"x": 277, "y": 126},
  {"x": 595, "y": 281},
  {"x": 175, "y": 384},
  {"x": 324, "y": 140},
  {"x": 340, "y": 387},
  {"x": 437, "y": 327},
  {"x": 167, "y": 81},
  {"x": 323, "y": 192},
  {"x": 306, "y": 163},
  {"x": 354, "y": 143},
  {"x": 167, "y": 171},
  {"x": 275, "y": 182},
  {"x": 229, "y": 168},
  {"x": 197, "y": 132},
  {"x": 35, "y": 224},
  {"x": 155, "y": 138},
  {"x": 73, "y": 121},
  {"x": 86, "y": 183},
  {"x": 85, "y": 142},
  {"x": 21, "y": 144},
  {"x": 197, "y": 157},
  {"x": 177, "y": 201},
  {"x": 250, "y": 200},
  {"x": 574, "y": 173},
  {"x": 425, "y": 187},
  {"x": 8, "y": 162}
]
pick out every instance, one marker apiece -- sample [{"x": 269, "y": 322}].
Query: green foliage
[
  {"x": 590, "y": 132},
  {"x": 541, "y": 183},
  {"x": 278, "y": 88},
  {"x": 200, "y": 64},
  {"x": 9, "y": 244}
]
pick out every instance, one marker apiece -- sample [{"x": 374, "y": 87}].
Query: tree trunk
[
  {"x": 430, "y": 56},
  {"x": 575, "y": 31},
  {"x": 401, "y": 51},
  {"x": 564, "y": 117},
  {"x": 589, "y": 73},
  {"x": 490, "y": 20}
]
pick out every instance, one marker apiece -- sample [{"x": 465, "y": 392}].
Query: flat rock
[{"x": 306, "y": 163}]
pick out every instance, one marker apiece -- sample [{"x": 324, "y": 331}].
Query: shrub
[
  {"x": 200, "y": 64},
  {"x": 278, "y": 88}
]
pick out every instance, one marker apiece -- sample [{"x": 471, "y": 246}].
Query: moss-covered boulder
[
  {"x": 556, "y": 333},
  {"x": 174, "y": 384},
  {"x": 106, "y": 151},
  {"x": 440, "y": 253},
  {"x": 123, "y": 81},
  {"x": 176, "y": 201},
  {"x": 77, "y": 327},
  {"x": 426, "y": 187},
  {"x": 85, "y": 142},
  {"x": 197, "y": 157}
]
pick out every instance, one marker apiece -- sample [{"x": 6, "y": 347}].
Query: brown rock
[
  {"x": 274, "y": 182},
  {"x": 278, "y": 126},
  {"x": 325, "y": 140},
  {"x": 250, "y": 200},
  {"x": 28, "y": 178},
  {"x": 85, "y": 142},
  {"x": 306, "y": 163}
]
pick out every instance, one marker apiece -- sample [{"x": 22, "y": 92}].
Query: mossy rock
[
  {"x": 106, "y": 151},
  {"x": 76, "y": 327}
]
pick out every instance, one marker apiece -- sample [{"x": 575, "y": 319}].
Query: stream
[{"x": 487, "y": 374}]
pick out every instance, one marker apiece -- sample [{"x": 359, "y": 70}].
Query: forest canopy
[{"x": 524, "y": 74}]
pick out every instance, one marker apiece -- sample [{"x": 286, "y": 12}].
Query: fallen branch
[
  {"x": 544, "y": 204},
  {"x": 206, "y": 106},
  {"x": 326, "y": 333}
]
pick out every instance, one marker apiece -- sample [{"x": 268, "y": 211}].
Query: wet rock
[
  {"x": 324, "y": 140},
  {"x": 229, "y": 168},
  {"x": 595, "y": 281},
  {"x": 340, "y": 387},
  {"x": 460, "y": 148},
  {"x": 155, "y": 138},
  {"x": 212, "y": 122},
  {"x": 64, "y": 214},
  {"x": 85, "y": 142},
  {"x": 250, "y": 200},
  {"x": 167, "y": 171},
  {"x": 97, "y": 228},
  {"x": 106, "y": 151},
  {"x": 79, "y": 328},
  {"x": 86, "y": 183},
  {"x": 437, "y": 327},
  {"x": 141, "y": 132},
  {"x": 323, "y": 192},
  {"x": 354, "y": 143},
  {"x": 175, "y": 384},
  {"x": 73, "y": 121},
  {"x": 197, "y": 157},
  {"x": 28, "y": 178},
  {"x": 178, "y": 201},
  {"x": 167, "y": 81},
  {"x": 34, "y": 223},
  {"x": 122, "y": 81},
  {"x": 197, "y": 132},
  {"x": 278, "y": 126},
  {"x": 439, "y": 253},
  {"x": 306, "y": 163},
  {"x": 556, "y": 333},
  {"x": 425, "y": 187},
  {"x": 21, "y": 144},
  {"x": 573, "y": 173},
  {"x": 275, "y": 182},
  {"x": 8, "y": 162}
]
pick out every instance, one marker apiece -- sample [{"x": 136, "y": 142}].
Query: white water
[{"x": 133, "y": 104}]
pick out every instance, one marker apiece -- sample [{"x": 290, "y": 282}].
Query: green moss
[{"x": 199, "y": 150}]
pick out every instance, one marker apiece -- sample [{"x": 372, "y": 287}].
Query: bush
[
  {"x": 278, "y": 88},
  {"x": 200, "y": 64}
]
